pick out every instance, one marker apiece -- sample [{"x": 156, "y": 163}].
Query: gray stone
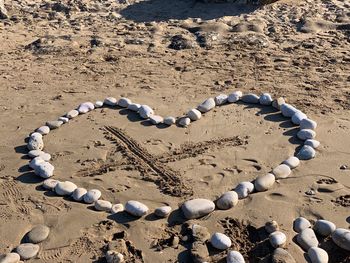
[
  {"x": 10, "y": 257},
  {"x": 341, "y": 237},
  {"x": 34, "y": 163},
  {"x": 78, "y": 194},
  {"x": 38, "y": 234},
  {"x": 162, "y": 211},
  {"x": 45, "y": 156},
  {"x": 271, "y": 226},
  {"x": 300, "y": 224},
  {"x": 155, "y": 119},
  {"x": 194, "y": 114},
  {"x": 307, "y": 239},
  {"x": 98, "y": 104},
  {"x": 145, "y": 111},
  {"x": 234, "y": 257},
  {"x": 27, "y": 250},
  {"x": 35, "y": 153},
  {"x": 134, "y": 107},
  {"x": 317, "y": 255},
  {"x": 306, "y": 153},
  {"x": 43, "y": 130},
  {"x": 308, "y": 124},
  {"x": 103, "y": 205},
  {"x": 72, "y": 114},
  {"x": 312, "y": 143},
  {"x": 265, "y": 99},
  {"x": 169, "y": 120},
  {"x": 199, "y": 252},
  {"x": 282, "y": 256},
  {"x": 206, "y": 105},
  {"x": 277, "y": 239},
  {"x": 44, "y": 169},
  {"x": 292, "y": 162},
  {"x": 281, "y": 171},
  {"x": 243, "y": 189},
  {"x": 288, "y": 110},
  {"x": 54, "y": 124},
  {"x": 220, "y": 99},
  {"x": 3, "y": 10},
  {"x": 324, "y": 227},
  {"x": 234, "y": 97},
  {"x": 124, "y": 102},
  {"x": 63, "y": 119},
  {"x": 227, "y": 200},
  {"x": 196, "y": 208},
  {"x": 298, "y": 117},
  {"x": 264, "y": 182},
  {"x": 220, "y": 241},
  {"x": 136, "y": 208},
  {"x": 250, "y": 98},
  {"x": 184, "y": 121},
  {"x": 35, "y": 142},
  {"x": 277, "y": 103},
  {"x": 306, "y": 134},
  {"x": 92, "y": 196},
  {"x": 114, "y": 257},
  {"x": 65, "y": 188},
  {"x": 50, "y": 184},
  {"x": 110, "y": 101}
]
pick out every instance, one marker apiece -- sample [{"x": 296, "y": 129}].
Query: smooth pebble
[
  {"x": 162, "y": 211},
  {"x": 114, "y": 257},
  {"x": 27, "y": 250},
  {"x": 324, "y": 227},
  {"x": 234, "y": 257},
  {"x": 78, "y": 194},
  {"x": 288, "y": 110},
  {"x": 134, "y": 107},
  {"x": 227, "y": 200},
  {"x": 196, "y": 208},
  {"x": 43, "y": 130},
  {"x": 298, "y": 117},
  {"x": 98, "y": 104},
  {"x": 136, "y": 208},
  {"x": 72, "y": 114},
  {"x": 110, "y": 101},
  {"x": 38, "y": 234},
  {"x": 308, "y": 124},
  {"x": 341, "y": 237},
  {"x": 264, "y": 182},
  {"x": 184, "y": 121},
  {"x": 220, "y": 99},
  {"x": 169, "y": 120},
  {"x": 277, "y": 103},
  {"x": 317, "y": 255},
  {"x": 250, "y": 98},
  {"x": 234, "y": 96},
  {"x": 243, "y": 189},
  {"x": 124, "y": 102},
  {"x": 206, "y": 105},
  {"x": 292, "y": 162},
  {"x": 116, "y": 208},
  {"x": 92, "y": 196},
  {"x": 34, "y": 163},
  {"x": 35, "y": 143},
  {"x": 103, "y": 205},
  {"x": 306, "y": 153},
  {"x": 277, "y": 239},
  {"x": 281, "y": 171},
  {"x": 307, "y": 238},
  {"x": 220, "y": 241},
  {"x": 156, "y": 119},
  {"x": 65, "y": 188},
  {"x": 54, "y": 124},
  {"x": 10, "y": 258},
  {"x": 50, "y": 184},
  {"x": 312, "y": 143},
  {"x": 300, "y": 224},
  {"x": 306, "y": 134},
  {"x": 265, "y": 99},
  {"x": 145, "y": 111},
  {"x": 44, "y": 169},
  {"x": 194, "y": 114},
  {"x": 271, "y": 226}
]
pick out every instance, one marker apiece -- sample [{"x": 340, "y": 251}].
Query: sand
[{"x": 55, "y": 55}]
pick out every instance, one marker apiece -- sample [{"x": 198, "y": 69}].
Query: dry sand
[{"x": 57, "y": 54}]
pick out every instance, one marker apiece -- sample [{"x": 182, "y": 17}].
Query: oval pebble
[
  {"x": 114, "y": 257},
  {"x": 124, "y": 102},
  {"x": 243, "y": 189},
  {"x": 196, "y": 208},
  {"x": 110, "y": 101},
  {"x": 116, "y": 208},
  {"x": 163, "y": 211},
  {"x": 103, "y": 205},
  {"x": 306, "y": 153},
  {"x": 194, "y": 114},
  {"x": 98, "y": 104},
  {"x": 134, "y": 107},
  {"x": 54, "y": 124},
  {"x": 341, "y": 237},
  {"x": 184, "y": 121},
  {"x": 306, "y": 134},
  {"x": 34, "y": 163},
  {"x": 206, "y": 105},
  {"x": 227, "y": 200},
  {"x": 317, "y": 255},
  {"x": 312, "y": 143},
  {"x": 85, "y": 107},
  {"x": 307, "y": 239},
  {"x": 250, "y": 98},
  {"x": 43, "y": 130},
  {"x": 50, "y": 184},
  {"x": 38, "y": 234},
  {"x": 292, "y": 162},
  {"x": 169, "y": 120},
  {"x": 277, "y": 239},
  {"x": 44, "y": 169},
  {"x": 265, "y": 99},
  {"x": 136, "y": 208},
  {"x": 281, "y": 171},
  {"x": 288, "y": 110},
  {"x": 264, "y": 182},
  {"x": 220, "y": 241},
  {"x": 45, "y": 156},
  {"x": 282, "y": 256},
  {"x": 35, "y": 153},
  {"x": 78, "y": 194},
  {"x": 308, "y": 124},
  {"x": 234, "y": 97},
  {"x": 324, "y": 227},
  {"x": 65, "y": 188},
  {"x": 156, "y": 119},
  {"x": 220, "y": 99},
  {"x": 63, "y": 119},
  {"x": 300, "y": 224},
  {"x": 271, "y": 226},
  {"x": 298, "y": 117},
  {"x": 72, "y": 114},
  {"x": 92, "y": 196},
  {"x": 234, "y": 257},
  {"x": 10, "y": 258},
  {"x": 27, "y": 250},
  {"x": 145, "y": 111},
  {"x": 35, "y": 143},
  {"x": 277, "y": 103}
]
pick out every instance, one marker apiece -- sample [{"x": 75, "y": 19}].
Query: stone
[
  {"x": 312, "y": 143},
  {"x": 250, "y": 98},
  {"x": 35, "y": 142},
  {"x": 271, "y": 226},
  {"x": 277, "y": 103},
  {"x": 234, "y": 97},
  {"x": 98, "y": 104},
  {"x": 306, "y": 153},
  {"x": 63, "y": 119},
  {"x": 206, "y": 105},
  {"x": 298, "y": 117},
  {"x": 184, "y": 121},
  {"x": 145, "y": 111},
  {"x": 277, "y": 239},
  {"x": 162, "y": 211},
  {"x": 264, "y": 182},
  {"x": 78, "y": 194},
  {"x": 243, "y": 189},
  {"x": 114, "y": 257},
  {"x": 317, "y": 255},
  {"x": 116, "y": 208},
  {"x": 43, "y": 130},
  {"x": 3, "y": 10},
  {"x": 136, "y": 208},
  {"x": 220, "y": 99},
  {"x": 65, "y": 188},
  {"x": 134, "y": 107},
  {"x": 50, "y": 184},
  {"x": 124, "y": 102},
  {"x": 155, "y": 119},
  {"x": 92, "y": 196},
  {"x": 27, "y": 250},
  {"x": 288, "y": 110},
  {"x": 45, "y": 156},
  {"x": 169, "y": 120},
  {"x": 10, "y": 258},
  {"x": 34, "y": 163},
  {"x": 300, "y": 224},
  {"x": 72, "y": 114},
  {"x": 282, "y": 256},
  {"x": 265, "y": 99},
  {"x": 308, "y": 124},
  {"x": 44, "y": 169},
  {"x": 199, "y": 252},
  {"x": 38, "y": 234},
  {"x": 341, "y": 237},
  {"x": 110, "y": 101},
  {"x": 54, "y": 124},
  {"x": 35, "y": 153},
  {"x": 220, "y": 241},
  {"x": 234, "y": 257},
  {"x": 103, "y": 205},
  {"x": 307, "y": 239},
  {"x": 200, "y": 233},
  {"x": 324, "y": 227},
  {"x": 281, "y": 171},
  {"x": 227, "y": 200},
  {"x": 306, "y": 134},
  {"x": 196, "y": 208},
  {"x": 292, "y": 162},
  {"x": 85, "y": 107},
  {"x": 194, "y": 114}
]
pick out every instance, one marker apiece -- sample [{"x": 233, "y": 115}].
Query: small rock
[
  {"x": 116, "y": 208},
  {"x": 300, "y": 224},
  {"x": 277, "y": 239},
  {"x": 308, "y": 124},
  {"x": 234, "y": 97},
  {"x": 65, "y": 188},
  {"x": 264, "y": 182},
  {"x": 220, "y": 99},
  {"x": 306, "y": 134},
  {"x": 124, "y": 102},
  {"x": 271, "y": 226},
  {"x": 136, "y": 208},
  {"x": 44, "y": 169},
  {"x": 306, "y": 153},
  {"x": 227, "y": 200},
  {"x": 54, "y": 124},
  {"x": 163, "y": 211},
  {"x": 200, "y": 233},
  {"x": 85, "y": 107},
  {"x": 63, "y": 119},
  {"x": 92, "y": 196},
  {"x": 282, "y": 256},
  {"x": 27, "y": 250},
  {"x": 35, "y": 142},
  {"x": 43, "y": 130},
  {"x": 312, "y": 143},
  {"x": 310, "y": 192},
  {"x": 98, "y": 104},
  {"x": 38, "y": 234},
  {"x": 38, "y": 153},
  {"x": 10, "y": 257},
  {"x": 114, "y": 257},
  {"x": 50, "y": 184},
  {"x": 184, "y": 121},
  {"x": 317, "y": 255},
  {"x": 288, "y": 110},
  {"x": 343, "y": 167},
  {"x": 292, "y": 162},
  {"x": 220, "y": 241},
  {"x": 3, "y": 10},
  {"x": 155, "y": 119},
  {"x": 175, "y": 242},
  {"x": 281, "y": 171},
  {"x": 234, "y": 257},
  {"x": 298, "y": 117},
  {"x": 145, "y": 111},
  {"x": 194, "y": 114},
  {"x": 169, "y": 121},
  {"x": 72, "y": 114},
  {"x": 307, "y": 239},
  {"x": 199, "y": 252},
  {"x": 265, "y": 99},
  {"x": 34, "y": 163},
  {"x": 103, "y": 205},
  {"x": 324, "y": 227},
  {"x": 45, "y": 156},
  {"x": 110, "y": 101},
  {"x": 196, "y": 208},
  {"x": 134, "y": 107},
  {"x": 341, "y": 237},
  {"x": 78, "y": 194},
  {"x": 250, "y": 98},
  {"x": 206, "y": 105},
  {"x": 277, "y": 103},
  {"x": 243, "y": 189}
]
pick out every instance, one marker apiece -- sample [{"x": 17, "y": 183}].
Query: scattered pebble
[
  {"x": 271, "y": 226},
  {"x": 227, "y": 200},
  {"x": 277, "y": 103},
  {"x": 312, "y": 143},
  {"x": 234, "y": 257},
  {"x": 98, "y": 104},
  {"x": 38, "y": 234},
  {"x": 281, "y": 171},
  {"x": 54, "y": 124},
  {"x": 44, "y": 169},
  {"x": 264, "y": 182},
  {"x": 103, "y": 205},
  {"x": 196, "y": 208},
  {"x": 78, "y": 194},
  {"x": 92, "y": 196},
  {"x": 145, "y": 111},
  {"x": 306, "y": 134},
  {"x": 308, "y": 124},
  {"x": 65, "y": 188},
  {"x": 220, "y": 99},
  {"x": 292, "y": 162},
  {"x": 43, "y": 130},
  {"x": 134, "y": 107},
  {"x": 307, "y": 239},
  {"x": 265, "y": 99},
  {"x": 277, "y": 239},
  {"x": 317, "y": 255},
  {"x": 250, "y": 98},
  {"x": 136, "y": 208},
  {"x": 169, "y": 121},
  {"x": 114, "y": 257},
  {"x": 27, "y": 250},
  {"x": 243, "y": 189},
  {"x": 110, "y": 101},
  {"x": 300, "y": 224},
  {"x": 124, "y": 102},
  {"x": 206, "y": 105},
  {"x": 341, "y": 237},
  {"x": 194, "y": 114},
  {"x": 72, "y": 114},
  {"x": 234, "y": 97},
  {"x": 10, "y": 258},
  {"x": 306, "y": 153},
  {"x": 298, "y": 117},
  {"x": 282, "y": 256},
  {"x": 324, "y": 227},
  {"x": 163, "y": 211},
  {"x": 288, "y": 110},
  {"x": 184, "y": 121},
  {"x": 50, "y": 184},
  {"x": 156, "y": 119},
  {"x": 220, "y": 241}
]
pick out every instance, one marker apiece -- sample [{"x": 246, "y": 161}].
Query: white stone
[
  {"x": 194, "y": 114},
  {"x": 92, "y": 196},
  {"x": 54, "y": 124},
  {"x": 281, "y": 171},
  {"x": 50, "y": 184},
  {"x": 34, "y": 163},
  {"x": 307, "y": 239},
  {"x": 298, "y": 117},
  {"x": 243, "y": 189},
  {"x": 103, "y": 205},
  {"x": 220, "y": 241},
  {"x": 155, "y": 119},
  {"x": 63, "y": 119},
  {"x": 277, "y": 239},
  {"x": 114, "y": 257},
  {"x": 184, "y": 121},
  {"x": 162, "y": 211},
  {"x": 234, "y": 96},
  {"x": 288, "y": 110},
  {"x": 72, "y": 114},
  {"x": 206, "y": 105},
  {"x": 85, "y": 107},
  {"x": 324, "y": 227},
  {"x": 78, "y": 194},
  {"x": 306, "y": 134},
  {"x": 234, "y": 257},
  {"x": 220, "y": 99},
  {"x": 250, "y": 98},
  {"x": 169, "y": 120},
  {"x": 98, "y": 104},
  {"x": 313, "y": 143},
  {"x": 43, "y": 130},
  {"x": 308, "y": 124},
  {"x": 271, "y": 226},
  {"x": 306, "y": 153},
  {"x": 264, "y": 182},
  {"x": 145, "y": 111},
  {"x": 292, "y": 162},
  {"x": 27, "y": 250},
  {"x": 38, "y": 234},
  {"x": 44, "y": 169},
  {"x": 10, "y": 258},
  {"x": 35, "y": 143},
  {"x": 265, "y": 99},
  {"x": 277, "y": 103},
  {"x": 35, "y": 135},
  {"x": 136, "y": 208},
  {"x": 116, "y": 208},
  {"x": 134, "y": 107},
  {"x": 110, "y": 101},
  {"x": 196, "y": 208},
  {"x": 317, "y": 255},
  {"x": 300, "y": 224},
  {"x": 341, "y": 237},
  {"x": 35, "y": 153},
  {"x": 124, "y": 102},
  {"x": 65, "y": 188},
  {"x": 227, "y": 200}
]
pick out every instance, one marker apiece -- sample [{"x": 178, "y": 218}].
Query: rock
[
  {"x": 38, "y": 153},
  {"x": 98, "y": 104},
  {"x": 78, "y": 194},
  {"x": 306, "y": 134},
  {"x": 277, "y": 103},
  {"x": 292, "y": 162},
  {"x": 44, "y": 169},
  {"x": 288, "y": 110},
  {"x": 54, "y": 124},
  {"x": 72, "y": 114},
  {"x": 220, "y": 241},
  {"x": 196, "y": 208},
  {"x": 227, "y": 200},
  {"x": 324, "y": 227},
  {"x": 10, "y": 257},
  {"x": 199, "y": 252},
  {"x": 206, "y": 105},
  {"x": 234, "y": 257},
  {"x": 145, "y": 111},
  {"x": 277, "y": 239},
  {"x": 34, "y": 163},
  {"x": 27, "y": 250},
  {"x": 250, "y": 98},
  {"x": 317, "y": 255},
  {"x": 3, "y": 10},
  {"x": 265, "y": 99},
  {"x": 116, "y": 208},
  {"x": 200, "y": 233},
  {"x": 220, "y": 99},
  {"x": 92, "y": 196},
  {"x": 281, "y": 171},
  {"x": 264, "y": 182},
  {"x": 271, "y": 226},
  {"x": 169, "y": 121},
  {"x": 312, "y": 143},
  {"x": 65, "y": 188},
  {"x": 282, "y": 256},
  {"x": 163, "y": 211},
  {"x": 243, "y": 189},
  {"x": 194, "y": 114},
  {"x": 85, "y": 107},
  {"x": 300, "y": 224},
  {"x": 155, "y": 119},
  {"x": 43, "y": 130},
  {"x": 134, "y": 107},
  {"x": 184, "y": 121},
  {"x": 102, "y": 205},
  {"x": 124, "y": 102},
  {"x": 341, "y": 237},
  {"x": 298, "y": 117},
  {"x": 307, "y": 239},
  {"x": 63, "y": 119},
  {"x": 136, "y": 208},
  {"x": 110, "y": 101},
  {"x": 234, "y": 97},
  {"x": 35, "y": 142},
  {"x": 114, "y": 257},
  {"x": 50, "y": 184},
  {"x": 38, "y": 234},
  {"x": 306, "y": 153},
  {"x": 308, "y": 124}
]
